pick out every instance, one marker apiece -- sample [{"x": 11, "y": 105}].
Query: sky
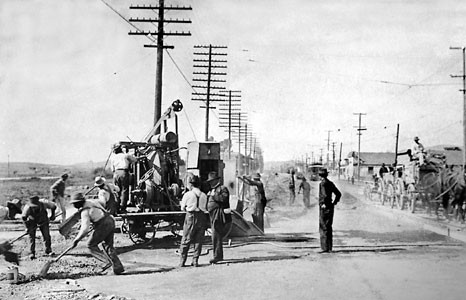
[{"x": 73, "y": 82}]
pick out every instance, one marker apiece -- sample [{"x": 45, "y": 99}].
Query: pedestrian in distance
[
  {"x": 218, "y": 205},
  {"x": 194, "y": 202},
  {"x": 306, "y": 188},
  {"x": 103, "y": 224},
  {"x": 58, "y": 194},
  {"x": 121, "y": 163},
  {"x": 292, "y": 188},
  {"x": 35, "y": 215},
  {"x": 326, "y": 210},
  {"x": 107, "y": 195},
  {"x": 260, "y": 201}
]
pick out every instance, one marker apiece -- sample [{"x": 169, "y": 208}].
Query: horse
[{"x": 454, "y": 187}]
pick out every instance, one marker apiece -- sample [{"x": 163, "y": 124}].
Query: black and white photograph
[{"x": 232, "y": 149}]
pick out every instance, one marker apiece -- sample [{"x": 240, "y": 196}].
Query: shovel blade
[{"x": 45, "y": 269}]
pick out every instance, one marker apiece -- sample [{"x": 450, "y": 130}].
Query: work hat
[
  {"x": 77, "y": 197},
  {"x": 99, "y": 180},
  {"x": 64, "y": 175},
  {"x": 256, "y": 176},
  {"x": 194, "y": 180},
  {"x": 212, "y": 176},
  {"x": 323, "y": 172},
  {"x": 416, "y": 138},
  {"x": 34, "y": 198}
]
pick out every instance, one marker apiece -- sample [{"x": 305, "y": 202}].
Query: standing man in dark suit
[
  {"x": 327, "y": 209},
  {"x": 218, "y": 205}
]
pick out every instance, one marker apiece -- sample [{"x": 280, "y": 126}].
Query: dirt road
[{"x": 378, "y": 255}]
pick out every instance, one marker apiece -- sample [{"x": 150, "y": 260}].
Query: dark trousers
[
  {"x": 325, "y": 227},
  {"x": 218, "y": 231},
  {"x": 258, "y": 216},
  {"x": 45, "y": 230},
  {"x": 193, "y": 233},
  {"x": 103, "y": 233},
  {"x": 121, "y": 179},
  {"x": 292, "y": 196}
]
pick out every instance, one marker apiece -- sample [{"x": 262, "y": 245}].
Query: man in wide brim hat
[
  {"x": 99, "y": 180},
  {"x": 323, "y": 172},
  {"x": 212, "y": 176}
]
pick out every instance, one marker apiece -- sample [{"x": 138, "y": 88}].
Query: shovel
[{"x": 46, "y": 267}]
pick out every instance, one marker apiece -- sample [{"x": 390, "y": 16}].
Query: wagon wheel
[
  {"x": 400, "y": 193},
  {"x": 391, "y": 194},
  {"x": 382, "y": 191},
  {"x": 411, "y": 195},
  {"x": 141, "y": 231}
]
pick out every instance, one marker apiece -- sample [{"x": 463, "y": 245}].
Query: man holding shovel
[
  {"x": 104, "y": 225},
  {"x": 35, "y": 215}
]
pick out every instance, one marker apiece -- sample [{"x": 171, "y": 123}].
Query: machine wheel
[{"x": 141, "y": 232}]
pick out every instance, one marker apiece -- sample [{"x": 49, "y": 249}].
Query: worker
[
  {"x": 306, "y": 188},
  {"x": 35, "y": 215},
  {"x": 327, "y": 209},
  {"x": 194, "y": 202},
  {"x": 107, "y": 194},
  {"x": 383, "y": 170},
  {"x": 292, "y": 188},
  {"x": 58, "y": 194},
  {"x": 260, "y": 201},
  {"x": 121, "y": 163},
  {"x": 103, "y": 225},
  {"x": 218, "y": 205},
  {"x": 418, "y": 151},
  {"x": 8, "y": 213}
]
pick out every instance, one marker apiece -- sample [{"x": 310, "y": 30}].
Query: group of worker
[{"x": 304, "y": 186}]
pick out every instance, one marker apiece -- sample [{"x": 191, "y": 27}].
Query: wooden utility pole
[
  {"x": 328, "y": 148},
  {"x": 227, "y": 111},
  {"x": 359, "y": 129},
  {"x": 396, "y": 144},
  {"x": 464, "y": 100},
  {"x": 339, "y": 162},
  {"x": 160, "y": 33},
  {"x": 333, "y": 155},
  {"x": 209, "y": 64}
]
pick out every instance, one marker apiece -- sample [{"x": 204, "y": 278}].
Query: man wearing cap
[
  {"x": 121, "y": 163},
  {"x": 58, "y": 194},
  {"x": 326, "y": 211},
  {"x": 35, "y": 215},
  {"x": 418, "y": 151},
  {"x": 260, "y": 201},
  {"x": 218, "y": 205},
  {"x": 306, "y": 188},
  {"x": 107, "y": 195},
  {"x": 194, "y": 202},
  {"x": 103, "y": 224}
]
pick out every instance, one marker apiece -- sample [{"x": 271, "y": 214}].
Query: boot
[
  {"x": 183, "y": 259},
  {"x": 195, "y": 262}
]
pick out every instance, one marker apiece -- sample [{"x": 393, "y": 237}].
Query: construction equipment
[{"x": 156, "y": 186}]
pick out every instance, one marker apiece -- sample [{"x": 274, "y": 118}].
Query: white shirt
[
  {"x": 122, "y": 161},
  {"x": 189, "y": 201}
]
